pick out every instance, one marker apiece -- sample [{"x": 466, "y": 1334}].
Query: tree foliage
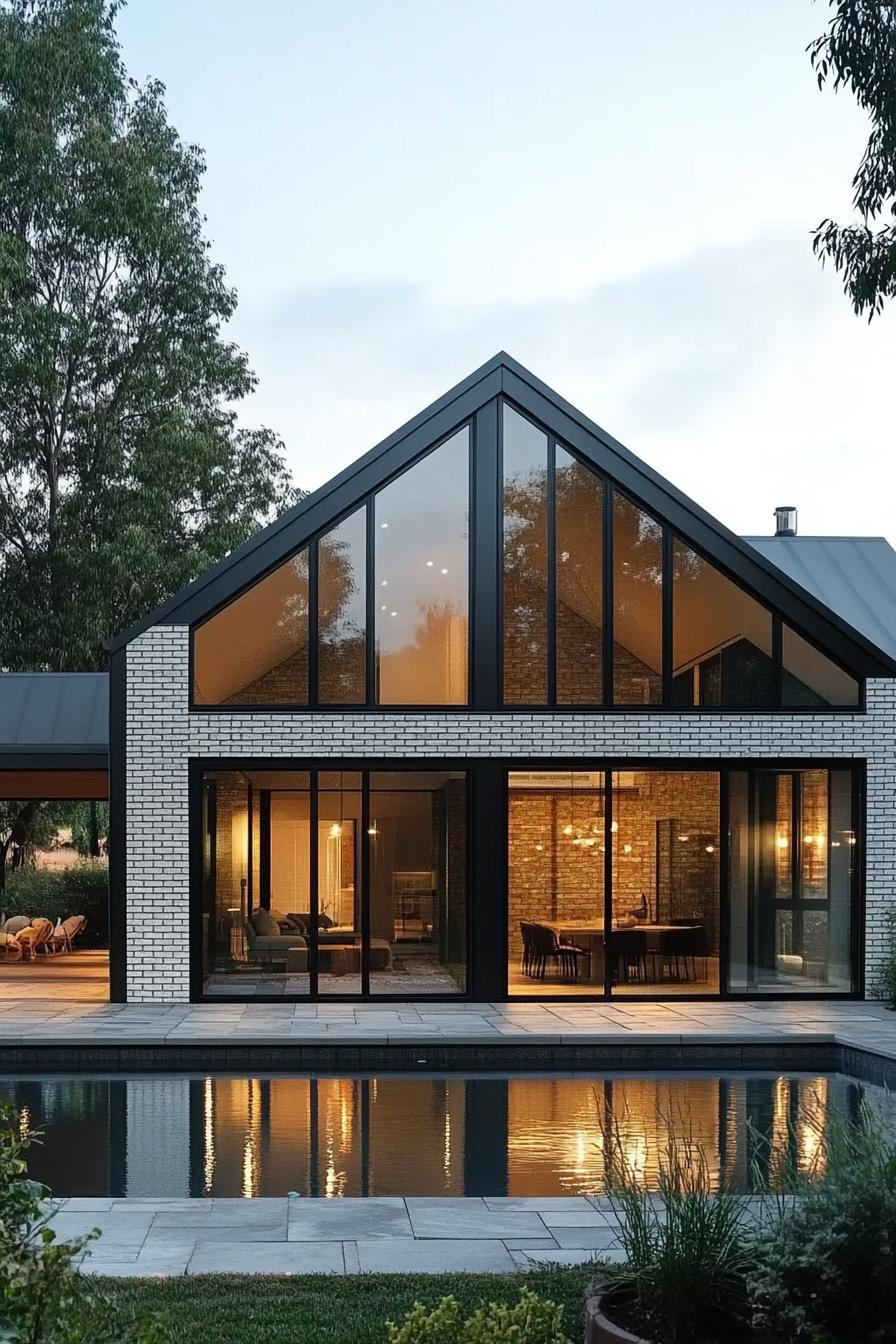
[
  {"x": 123, "y": 472},
  {"x": 857, "y": 51}
]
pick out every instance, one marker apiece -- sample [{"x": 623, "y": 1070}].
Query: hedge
[{"x": 57, "y": 893}]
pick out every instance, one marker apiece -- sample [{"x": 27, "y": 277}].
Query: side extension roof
[{"x": 503, "y": 375}]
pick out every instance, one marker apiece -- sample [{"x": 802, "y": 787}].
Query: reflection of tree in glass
[{"x": 525, "y": 584}]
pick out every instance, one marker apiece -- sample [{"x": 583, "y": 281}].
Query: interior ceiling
[{"x": 253, "y": 634}]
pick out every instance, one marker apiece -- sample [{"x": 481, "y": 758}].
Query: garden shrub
[
  {"x": 57, "y": 893},
  {"x": 532, "y": 1320},
  {"x": 825, "y": 1264},
  {"x": 43, "y": 1298},
  {"x": 686, "y": 1247}
]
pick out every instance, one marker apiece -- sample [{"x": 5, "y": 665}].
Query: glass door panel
[
  {"x": 555, "y": 870},
  {"x": 417, "y": 848},
  {"x": 340, "y": 931},
  {"x": 792, "y": 846},
  {"x": 664, "y": 938}
]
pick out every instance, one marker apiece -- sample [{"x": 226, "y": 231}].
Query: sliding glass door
[
  {"x": 628, "y": 883},
  {"x": 334, "y": 883}
]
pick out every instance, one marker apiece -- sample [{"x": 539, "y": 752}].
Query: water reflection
[{"x": 423, "y": 1135}]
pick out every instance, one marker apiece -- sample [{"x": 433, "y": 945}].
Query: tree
[
  {"x": 23, "y": 825},
  {"x": 857, "y": 51},
  {"x": 123, "y": 472}
]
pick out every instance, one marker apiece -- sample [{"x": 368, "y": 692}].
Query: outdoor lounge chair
[
  {"x": 36, "y": 938},
  {"x": 10, "y": 947},
  {"x": 64, "y": 934}
]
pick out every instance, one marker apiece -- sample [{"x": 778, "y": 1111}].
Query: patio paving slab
[
  {"x": 466, "y": 1222},
  {"x": 272, "y": 1257},
  {"x": 354, "y": 1219},
  {"x": 434, "y": 1257}
]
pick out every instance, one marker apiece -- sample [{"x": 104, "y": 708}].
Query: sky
[{"x": 620, "y": 196}]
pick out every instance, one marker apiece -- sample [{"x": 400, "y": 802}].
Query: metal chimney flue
[{"x": 785, "y": 521}]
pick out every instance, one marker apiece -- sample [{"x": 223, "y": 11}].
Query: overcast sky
[{"x": 620, "y": 195}]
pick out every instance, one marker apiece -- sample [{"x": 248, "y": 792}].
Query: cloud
[{"x": 740, "y": 372}]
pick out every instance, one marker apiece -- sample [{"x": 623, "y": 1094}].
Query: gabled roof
[
  {"x": 854, "y": 576},
  {"x": 54, "y": 713},
  {"x": 502, "y": 375}
]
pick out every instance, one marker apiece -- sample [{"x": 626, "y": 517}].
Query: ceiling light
[
  {"x": 782, "y": 842},
  {"x": 444, "y": 571},
  {"x": 384, "y": 524},
  {"x": 385, "y": 583},
  {"x": 710, "y": 849},
  {"x": 430, "y": 563},
  {"x": 393, "y": 613}
]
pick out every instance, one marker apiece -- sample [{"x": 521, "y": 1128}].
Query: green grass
[{"x": 319, "y": 1309}]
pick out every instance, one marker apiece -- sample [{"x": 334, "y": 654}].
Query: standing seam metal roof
[
  {"x": 854, "y": 576},
  {"x": 54, "y": 711}
]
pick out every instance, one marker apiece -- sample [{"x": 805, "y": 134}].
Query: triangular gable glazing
[{"x": 599, "y": 602}]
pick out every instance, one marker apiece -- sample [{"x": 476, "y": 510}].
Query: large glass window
[
  {"x": 421, "y": 538},
  {"x": 255, "y": 650},
  {"x": 270, "y": 929},
  {"x": 579, "y": 566},
  {"x": 525, "y": 606},
  {"x": 811, "y": 679},
  {"x": 792, "y": 852},
  {"x": 637, "y": 605},
  {"x": 342, "y": 612},
  {"x": 721, "y": 637}
]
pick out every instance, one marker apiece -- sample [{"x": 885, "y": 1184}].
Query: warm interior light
[
  {"x": 567, "y": 829},
  {"x": 614, "y": 826},
  {"x": 782, "y": 842},
  {"x": 626, "y": 849},
  {"x": 371, "y": 830},
  {"x": 684, "y": 838},
  {"x": 335, "y": 830},
  {"x": 710, "y": 849}
]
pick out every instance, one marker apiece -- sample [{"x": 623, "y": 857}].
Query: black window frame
[
  {"x": 486, "y": 875},
  {"x": 312, "y": 542},
  {"x": 485, "y": 585},
  {"x": 669, "y": 535}
]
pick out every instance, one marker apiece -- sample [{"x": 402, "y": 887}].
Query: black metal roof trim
[{"x": 504, "y": 375}]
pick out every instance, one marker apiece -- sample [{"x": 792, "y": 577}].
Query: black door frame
[{"x": 487, "y": 931}]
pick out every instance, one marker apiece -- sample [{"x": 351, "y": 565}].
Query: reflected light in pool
[{"x": 539, "y": 1135}]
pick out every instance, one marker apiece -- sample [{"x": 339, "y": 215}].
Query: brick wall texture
[{"x": 162, "y": 736}]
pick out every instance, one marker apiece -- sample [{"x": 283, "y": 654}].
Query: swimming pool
[{"x": 543, "y": 1134}]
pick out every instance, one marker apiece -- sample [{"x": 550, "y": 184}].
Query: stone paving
[
  {"x": 867, "y": 1026},
  {"x": 341, "y": 1236},
  {"x": 150, "y": 1237}
]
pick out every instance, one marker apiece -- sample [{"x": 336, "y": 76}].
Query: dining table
[{"x": 591, "y": 938}]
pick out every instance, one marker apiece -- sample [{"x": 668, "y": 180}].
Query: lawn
[{"x": 317, "y": 1309}]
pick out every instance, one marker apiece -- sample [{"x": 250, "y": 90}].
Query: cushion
[
  {"x": 16, "y": 923},
  {"x": 264, "y": 923}
]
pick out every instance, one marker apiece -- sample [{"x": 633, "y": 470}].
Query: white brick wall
[{"x": 162, "y": 735}]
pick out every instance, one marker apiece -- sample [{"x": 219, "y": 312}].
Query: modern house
[{"x": 498, "y": 711}]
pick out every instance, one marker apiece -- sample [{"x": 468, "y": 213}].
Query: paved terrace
[
  {"x": 293, "y": 1235},
  {"x": 870, "y": 1027},
  {"x": 147, "y": 1237}
]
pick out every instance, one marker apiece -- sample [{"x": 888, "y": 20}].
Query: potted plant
[{"x": 687, "y": 1253}]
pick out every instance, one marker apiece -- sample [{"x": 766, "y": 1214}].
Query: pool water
[{"x": 421, "y": 1134}]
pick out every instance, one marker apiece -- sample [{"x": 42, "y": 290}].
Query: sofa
[{"x": 265, "y": 942}]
